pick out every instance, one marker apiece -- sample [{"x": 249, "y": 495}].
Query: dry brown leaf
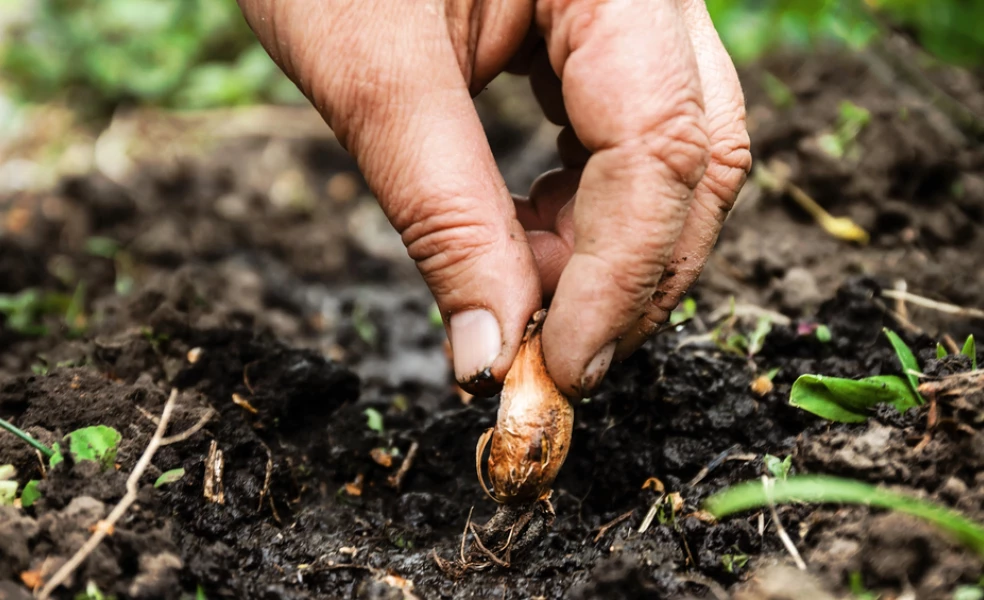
[
  {"x": 354, "y": 488},
  {"x": 32, "y": 579},
  {"x": 382, "y": 457},
  {"x": 654, "y": 484},
  {"x": 240, "y": 401}
]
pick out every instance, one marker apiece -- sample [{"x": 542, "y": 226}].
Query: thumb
[{"x": 425, "y": 155}]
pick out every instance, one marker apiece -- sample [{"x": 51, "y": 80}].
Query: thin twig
[
  {"x": 266, "y": 478},
  {"x": 147, "y": 415},
  {"x": 464, "y": 535},
  {"x": 715, "y": 463},
  {"x": 396, "y": 479},
  {"x": 786, "y": 541},
  {"x": 104, "y": 527},
  {"x": 486, "y": 551},
  {"x": 950, "y": 344},
  {"x": 943, "y": 307},
  {"x": 604, "y": 528},
  {"x": 187, "y": 433},
  {"x": 903, "y": 322},
  {"x": 901, "y": 288}
]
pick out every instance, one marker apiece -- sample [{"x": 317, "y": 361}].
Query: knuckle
[
  {"x": 730, "y": 163},
  {"x": 677, "y": 144},
  {"x": 446, "y": 244},
  {"x": 632, "y": 279},
  {"x": 680, "y": 142}
]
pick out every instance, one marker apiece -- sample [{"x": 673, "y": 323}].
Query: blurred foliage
[
  {"x": 182, "y": 54},
  {"x": 99, "y": 53},
  {"x": 950, "y": 30}
]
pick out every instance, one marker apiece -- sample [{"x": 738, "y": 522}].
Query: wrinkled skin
[{"x": 654, "y": 148}]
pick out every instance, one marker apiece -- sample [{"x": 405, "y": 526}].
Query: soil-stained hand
[{"x": 654, "y": 148}]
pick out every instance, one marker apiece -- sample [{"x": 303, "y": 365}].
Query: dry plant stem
[
  {"x": 901, "y": 288},
  {"x": 214, "y": 466},
  {"x": 951, "y": 344},
  {"x": 105, "y": 526},
  {"x": 266, "y": 478},
  {"x": 607, "y": 526},
  {"x": 777, "y": 179},
  {"x": 396, "y": 480},
  {"x": 943, "y": 307},
  {"x": 488, "y": 553},
  {"x": 187, "y": 433},
  {"x": 464, "y": 535},
  {"x": 786, "y": 541},
  {"x": 146, "y": 414},
  {"x": 646, "y": 522}
]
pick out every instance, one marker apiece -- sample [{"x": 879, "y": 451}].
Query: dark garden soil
[{"x": 260, "y": 270}]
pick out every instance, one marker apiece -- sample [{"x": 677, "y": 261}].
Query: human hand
[{"x": 654, "y": 148}]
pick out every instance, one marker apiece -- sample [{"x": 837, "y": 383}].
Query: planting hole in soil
[{"x": 217, "y": 358}]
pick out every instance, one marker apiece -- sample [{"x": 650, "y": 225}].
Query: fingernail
[
  {"x": 476, "y": 341},
  {"x": 597, "y": 368}
]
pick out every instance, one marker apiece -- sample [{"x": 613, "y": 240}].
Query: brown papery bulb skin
[{"x": 534, "y": 425}]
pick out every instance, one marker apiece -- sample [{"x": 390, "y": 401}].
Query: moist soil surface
[{"x": 257, "y": 277}]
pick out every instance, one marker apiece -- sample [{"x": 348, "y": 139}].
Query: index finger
[{"x": 633, "y": 96}]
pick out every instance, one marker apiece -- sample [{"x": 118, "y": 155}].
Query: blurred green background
[{"x": 97, "y": 54}]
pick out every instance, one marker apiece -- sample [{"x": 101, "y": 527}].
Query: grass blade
[
  {"x": 48, "y": 452},
  {"x": 970, "y": 351},
  {"x": 910, "y": 366},
  {"x": 825, "y": 489}
]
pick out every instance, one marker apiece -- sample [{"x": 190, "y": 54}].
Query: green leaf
[
  {"x": 850, "y": 400},
  {"x": 970, "y": 351},
  {"x": 435, "y": 318},
  {"x": 200, "y": 593},
  {"x": 940, "y": 351},
  {"x": 910, "y": 366},
  {"x": 825, "y": 489},
  {"x": 756, "y": 340},
  {"x": 684, "y": 312},
  {"x": 733, "y": 562},
  {"x": 75, "y": 311},
  {"x": 97, "y": 443},
  {"x": 30, "y": 493},
  {"x": 857, "y": 587},
  {"x": 968, "y": 592},
  {"x": 169, "y": 477},
  {"x": 103, "y": 247},
  {"x": 823, "y": 334},
  {"x": 92, "y": 592},
  {"x": 56, "y": 455},
  {"x": 8, "y": 493},
  {"x": 374, "y": 420},
  {"x": 778, "y": 467},
  {"x": 778, "y": 92}
]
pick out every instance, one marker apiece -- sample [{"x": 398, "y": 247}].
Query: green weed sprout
[{"x": 826, "y": 489}]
